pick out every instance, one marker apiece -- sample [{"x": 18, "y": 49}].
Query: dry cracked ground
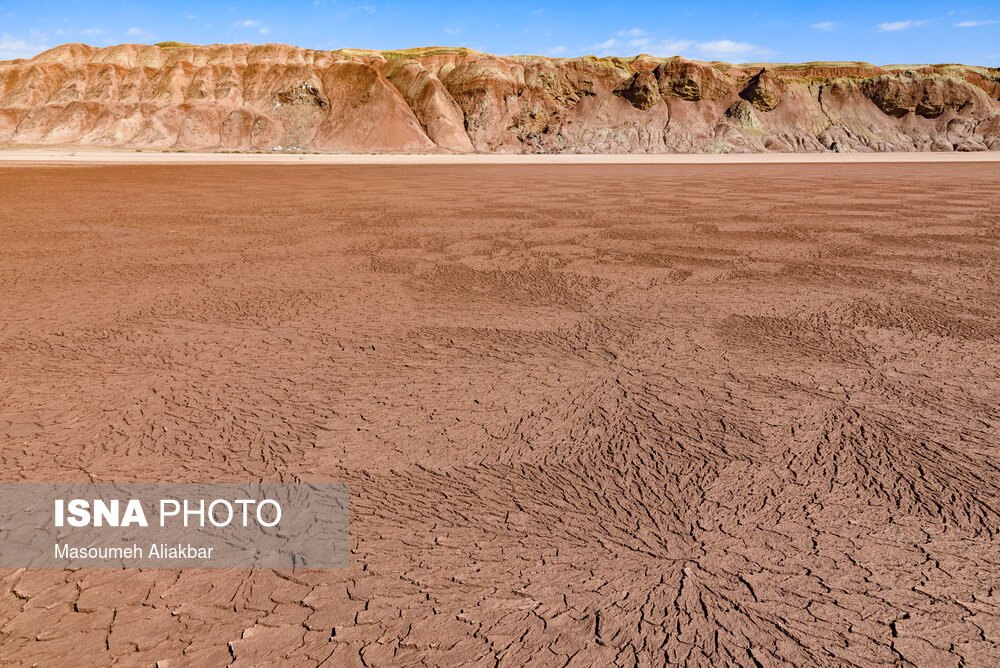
[{"x": 590, "y": 415}]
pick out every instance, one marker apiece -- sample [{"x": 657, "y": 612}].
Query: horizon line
[{"x": 179, "y": 46}]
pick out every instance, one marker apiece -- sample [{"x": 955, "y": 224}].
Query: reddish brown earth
[
  {"x": 590, "y": 415},
  {"x": 452, "y": 100}
]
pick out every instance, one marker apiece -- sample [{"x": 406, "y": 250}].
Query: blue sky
[{"x": 768, "y": 30}]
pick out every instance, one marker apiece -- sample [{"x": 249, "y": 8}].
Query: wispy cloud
[
  {"x": 725, "y": 48},
  {"x": 973, "y": 24},
  {"x": 893, "y": 26},
  {"x": 91, "y": 32},
  {"x": 558, "y": 50},
  {"x": 825, "y": 26},
  {"x": 12, "y": 47},
  {"x": 252, "y": 23},
  {"x": 637, "y": 39},
  {"x": 453, "y": 31},
  {"x": 671, "y": 47},
  {"x": 722, "y": 49},
  {"x": 139, "y": 32}
]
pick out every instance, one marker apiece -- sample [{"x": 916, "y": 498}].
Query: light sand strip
[{"x": 132, "y": 156}]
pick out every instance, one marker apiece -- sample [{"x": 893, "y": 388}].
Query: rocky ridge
[{"x": 276, "y": 97}]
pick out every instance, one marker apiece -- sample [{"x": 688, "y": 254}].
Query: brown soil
[{"x": 589, "y": 414}]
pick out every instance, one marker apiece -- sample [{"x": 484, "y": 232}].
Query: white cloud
[
  {"x": 973, "y": 24},
  {"x": 825, "y": 26},
  {"x": 558, "y": 50},
  {"x": 671, "y": 47},
  {"x": 91, "y": 32},
  {"x": 715, "y": 50},
  {"x": 634, "y": 32},
  {"x": 900, "y": 25},
  {"x": 139, "y": 32},
  {"x": 252, "y": 23},
  {"x": 725, "y": 48},
  {"x": 13, "y": 47},
  {"x": 453, "y": 31}
]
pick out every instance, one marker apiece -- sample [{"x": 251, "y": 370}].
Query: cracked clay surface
[{"x": 590, "y": 415}]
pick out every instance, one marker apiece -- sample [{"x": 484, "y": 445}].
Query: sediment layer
[{"x": 276, "y": 97}]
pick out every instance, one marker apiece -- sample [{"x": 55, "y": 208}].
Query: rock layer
[{"x": 276, "y": 97}]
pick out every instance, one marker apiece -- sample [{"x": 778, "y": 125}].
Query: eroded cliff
[{"x": 276, "y": 97}]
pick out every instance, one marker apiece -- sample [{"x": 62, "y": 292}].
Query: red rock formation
[
  {"x": 279, "y": 97},
  {"x": 764, "y": 90},
  {"x": 641, "y": 89},
  {"x": 692, "y": 81}
]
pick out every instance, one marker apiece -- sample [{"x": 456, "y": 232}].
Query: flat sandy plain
[
  {"x": 590, "y": 414},
  {"x": 91, "y": 154}
]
